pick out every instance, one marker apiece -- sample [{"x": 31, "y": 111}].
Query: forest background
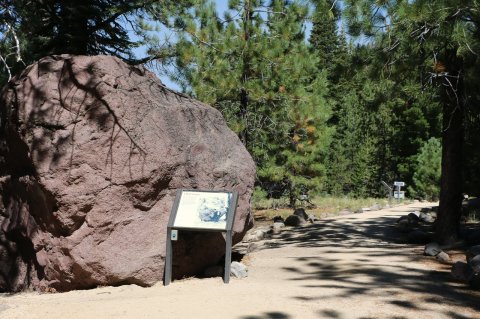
[{"x": 330, "y": 97}]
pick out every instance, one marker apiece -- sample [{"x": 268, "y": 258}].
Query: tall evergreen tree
[
  {"x": 327, "y": 42},
  {"x": 77, "y": 27},
  {"x": 254, "y": 65},
  {"x": 427, "y": 171},
  {"x": 37, "y": 28},
  {"x": 441, "y": 36}
]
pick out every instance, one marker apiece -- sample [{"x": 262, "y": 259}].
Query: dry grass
[{"x": 323, "y": 205}]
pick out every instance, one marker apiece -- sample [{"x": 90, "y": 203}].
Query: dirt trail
[{"x": 348, "y": 267}]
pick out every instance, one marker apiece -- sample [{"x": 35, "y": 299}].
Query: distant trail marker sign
[
  {"x": 398, "y": 194},
  {"x": 201, "y": 210}
]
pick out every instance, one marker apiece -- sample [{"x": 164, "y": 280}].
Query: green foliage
[
  {"x": 255, "y": 67},
  {"x": 382, "y": 118},
  {"x": 427, "y": 171},
  {"x": 440, "y": 40},
  {"x": 324, "y": 115},
  {"x": 34, "y": 29},
  {"x": 328, "y": 45}
]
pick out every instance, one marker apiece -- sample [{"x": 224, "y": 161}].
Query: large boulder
[{"x": 92, "y": 151}]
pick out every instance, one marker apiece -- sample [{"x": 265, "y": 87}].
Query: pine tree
[
  {"x": 36, "y": 28},
  {"x": 328, "y": 44},
  {"x": 441, "y": 39},
  {"x": 427, "y": 171},
  {"x": 254, "y": 65},
  {"x": 383, "y": 116}
]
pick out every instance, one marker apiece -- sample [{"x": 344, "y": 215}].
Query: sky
[{"x": 222, "y": 6}]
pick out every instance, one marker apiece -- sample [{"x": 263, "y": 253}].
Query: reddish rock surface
[{"x": 92, "y": 151}]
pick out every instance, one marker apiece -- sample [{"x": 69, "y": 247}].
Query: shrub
[{"x": 426, "y": 178}]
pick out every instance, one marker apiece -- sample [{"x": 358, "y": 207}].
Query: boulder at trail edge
[{"x": 92, "y": 151}]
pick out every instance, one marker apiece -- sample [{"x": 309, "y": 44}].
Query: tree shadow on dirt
[
  {"x": 369, "y": 240},
  {"x": 269, "y": 315}
]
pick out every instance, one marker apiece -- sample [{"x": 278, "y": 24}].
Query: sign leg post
[
  {"x": 228, "y": 256},
  {"x": 168, "y": 259}
]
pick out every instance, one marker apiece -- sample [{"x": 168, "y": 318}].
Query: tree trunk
[
  {"x": 243, "y": 134},
  {"x": 73, "y": 33},
  {"x": 246, "y": 71},
  {"x": 449, "y": 214}
]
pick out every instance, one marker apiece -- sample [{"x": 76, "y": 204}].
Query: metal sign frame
[{"x": 171, "y": 228}]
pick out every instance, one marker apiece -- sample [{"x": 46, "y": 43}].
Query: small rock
[
  {"x": 432, "y": 249},
  {"x": 475, "y": 264},
  {"x": 403, "y": 219},
  {"x": 461, "y": 271},
  {"x": 294, "y": 220},
  {"x": 257, "y": 234},
  {"x": 426, "y": 217},
  {"x": 413, "y": 218},
  {"x": 277, "y": 227},
  {"x": 375, "y": 207},
  {"x": 238, "y": 270},
  {"x": 278, "y": 219},
  {"x": 312, "y": 218},
  {"x": 358, "y": 211},
  {"x": 472, "y": 252},
  {"x": 300, "y": 212},
  {"x": 418, "y": 237},
  {"x": 213, "y": 271},
  {"x": 443, "y": 257}
]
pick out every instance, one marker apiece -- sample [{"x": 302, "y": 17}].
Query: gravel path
[{"x": 348, "y": 267}]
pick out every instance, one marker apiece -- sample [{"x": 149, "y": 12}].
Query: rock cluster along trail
[{"x": 348, "y": 267}]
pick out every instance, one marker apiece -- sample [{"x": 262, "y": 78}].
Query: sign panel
[
  {"x": 401, "y": 184},
  {"x": 200, "y": 210},
  {"x": 205, "y": 210},
  {"x": 399, "y": 194}
]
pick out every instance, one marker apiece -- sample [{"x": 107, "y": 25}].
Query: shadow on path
[
  {"x": 368, "y": 257},
  {"x": 269, "y": 315}
]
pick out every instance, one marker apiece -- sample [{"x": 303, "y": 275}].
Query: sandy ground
[{"x": 345, "y": 267}]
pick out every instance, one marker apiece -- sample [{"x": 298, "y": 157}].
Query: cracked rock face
[{"x": 92, "y": 151}]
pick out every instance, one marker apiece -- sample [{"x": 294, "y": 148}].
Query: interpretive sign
[
  {"x": 205, "y": 210},
  {"x": 201, "y": 210}
]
